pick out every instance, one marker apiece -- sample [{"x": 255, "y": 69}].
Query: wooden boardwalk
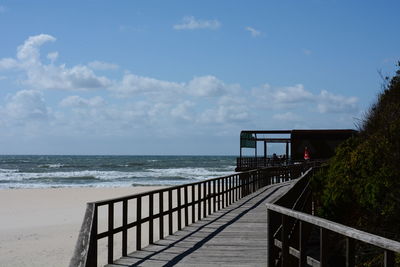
[{"x": 234, "y": 236}]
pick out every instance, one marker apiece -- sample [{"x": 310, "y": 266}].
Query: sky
[{"x": 185, "y": 77}]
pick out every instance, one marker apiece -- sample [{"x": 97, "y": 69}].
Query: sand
[{"x": 39, "y": 227}]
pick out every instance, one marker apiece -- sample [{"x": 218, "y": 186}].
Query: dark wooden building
[{"x": 321, "y": 145}]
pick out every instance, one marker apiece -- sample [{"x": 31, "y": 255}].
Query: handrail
[
  {"x": 289, "y": 229},
  {"x": 341, "y": 229},
  {"x": 198, "y": 199}
]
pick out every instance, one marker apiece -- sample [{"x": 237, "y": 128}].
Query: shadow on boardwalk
[{"x": 234, "y": 236}]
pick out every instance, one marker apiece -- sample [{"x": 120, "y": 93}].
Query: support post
[
  {"x": 389, "y": 258},
  {"x": 350, "y": 256},
  {"x": 323, "y": 250}
]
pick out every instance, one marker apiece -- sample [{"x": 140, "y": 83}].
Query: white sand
[{"x": 39, "y": 227}]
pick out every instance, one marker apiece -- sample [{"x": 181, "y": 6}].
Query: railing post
[
  {"x": 199, "y": 201},
  {"x": 151, "y": 221},
  {"x": 179, "y": 205},
  {"x": 285, "y": 241},
  {"x": 219, "y": 194},
  {"x": 209, "y": 197},
  {"x": 389, "y": 258},
  {"x": 302, "y": 244},
  {"x": 350, "y": 252},
  {"x": 185, "y": 198},
  {"x": 92, "y": 251},
  {"x": 170, "y": 220},
  {"x": 204, "y": 199},
  {"x": 270, "y": 240},
  {"x": 139, "y": 223},
  {"x": 215, "y": 196},
  {"x": 161, "y": 211},
  {"x": 110, "y": 256},
  {"x": 124, "y": 223},
  {"x": 193, "y": 204},
  {"x": 323, "y": 250}
]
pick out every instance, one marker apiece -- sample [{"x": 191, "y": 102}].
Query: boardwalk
[{"x": 234, "y": 236}]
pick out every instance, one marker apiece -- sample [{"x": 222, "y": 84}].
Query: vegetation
[{"x": 361, "y": 186}]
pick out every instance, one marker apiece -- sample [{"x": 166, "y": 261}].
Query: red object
[{"x": 306, "y": 154}]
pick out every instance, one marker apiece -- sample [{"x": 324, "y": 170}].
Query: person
[
  {"x": 307, "y": 155},
  {"x": 274, "y": 159}
]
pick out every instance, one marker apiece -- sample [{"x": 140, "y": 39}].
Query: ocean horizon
[{"x": 60, "y": 171}]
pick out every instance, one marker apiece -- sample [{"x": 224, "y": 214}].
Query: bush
[{"x": 361, "y": 186}]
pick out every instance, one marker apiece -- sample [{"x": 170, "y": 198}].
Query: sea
[{"x": 109, "y": 171}]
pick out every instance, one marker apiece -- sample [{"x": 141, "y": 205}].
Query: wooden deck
[{"x": 234, "y": 236}]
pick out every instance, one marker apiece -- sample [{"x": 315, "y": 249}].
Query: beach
[{"x": 39, "y": 227}]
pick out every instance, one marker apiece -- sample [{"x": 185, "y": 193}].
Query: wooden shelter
[{"x": 321, "y": 144}]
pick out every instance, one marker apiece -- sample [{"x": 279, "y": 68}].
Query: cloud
[
  {"x": 284, "y": 95},
  {"x": 183, "y": 111},
  {"x": 8, "y": 63},
  {"x": 206, "y": 86},
  {"x": 27, "y": 105},
  {"x": 99, "y": 65},
  {"x": 191, "y": 23},
  {"x": 287, "y": 116},
  {"x": 132, "y": 84},
  {"x": 77, "y": 101},
  {"x": 134, "y": 105},
  {"x": 52, "y": 56},
  {"x": 330, "y": 103},
  {"x": 50, "y": 76},
  {"x": 296, "y": 96},
  {"x": 307, "y": 52},
  {"x": 229, "y": 109},
  {"x": 3, "y": 9},
  {"x": 253, "y": 31},
  {"x": 28, "y": 53}
]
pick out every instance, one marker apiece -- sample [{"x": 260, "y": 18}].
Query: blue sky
[{"x": 185, "y": 77}]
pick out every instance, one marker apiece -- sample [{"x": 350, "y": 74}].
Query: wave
[
  {"x": 11, "y": 178},
  {"x": 56, "y": 165}
]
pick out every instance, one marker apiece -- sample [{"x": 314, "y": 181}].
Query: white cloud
[
  {"x": 285, "y": 95},
  {"x": 52, "y": 56},
  {"x": 42, "y": 76},
  {"x": 296, "y": 96},
  {"x": 191, "y": 23},
  {"x": 2, "y": 9},
  {"x": 28, "y": 52},
  {"x": 99, "y": 65},
  {"x": 27, "y": 105},
  {"x": 8, "y": 63},
  {"x": 253, "y": 31},
  {"x": 146, "y": 104},
  {"x": 206, "y": 86},
  {"x": 132, "y": 84},
  {"x": 287, "y": 116},
  {"x": 77, "y": 101},
  {"x": 182, "y": 111},
  {"x": 328, "y": 102},
  {"x": 230, "y": 109}
]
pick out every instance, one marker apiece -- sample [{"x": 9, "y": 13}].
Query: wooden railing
[
  {"x": 178, "y": 207},
  {"x": 289, "y": 228},
  {"x": 251, "y": 163}
]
